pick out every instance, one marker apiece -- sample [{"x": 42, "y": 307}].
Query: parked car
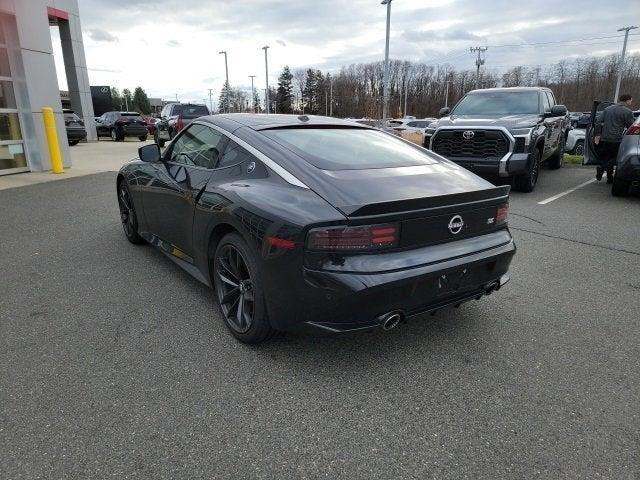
[
  {"x": 414, "y": 125},
  {"x": 575, "y": 141},
  {"x": 627, "y": 173},
  {"x": 507, "y": 132},
  {"x": 120, "y": 125},
  {"x": 315, "y": 224},
  {"x": 174, "y": 117},
  {"x": 150, "y": 122},
  {"x": 75, "y": 127}
]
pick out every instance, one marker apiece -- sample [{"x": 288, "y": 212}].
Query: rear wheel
[
  {"x": 73, "y": 142},
  {"x": 238, "y": 290},
  {"x": 128, "y": 214},
  {"x": 527, "y": 182},
  {"x": 143, "y": 138},
  {"x": 620, "y": 187}
]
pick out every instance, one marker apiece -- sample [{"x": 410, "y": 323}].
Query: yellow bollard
[{"x": 52, "y": 139}]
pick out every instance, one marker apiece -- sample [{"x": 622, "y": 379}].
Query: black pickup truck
[{"x": 507, "y": 132}]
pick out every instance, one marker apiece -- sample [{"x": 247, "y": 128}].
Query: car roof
[
  {"x": 511, "y": 89},
  {"x": 261, "y": 121}
]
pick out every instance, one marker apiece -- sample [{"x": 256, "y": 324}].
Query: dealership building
[{"x": 28, "y": 80}]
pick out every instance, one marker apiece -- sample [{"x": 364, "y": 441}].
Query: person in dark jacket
[{"x": 615, "y": 120}]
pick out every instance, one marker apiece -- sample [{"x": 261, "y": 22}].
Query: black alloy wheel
[
  {"x": 238, "y": 290},
  {"x": 556, "y": 161},
  {"x": 579, "y": 148},
  {"x": 527, "y": 182},
  {"x": 128, "y": 214}
]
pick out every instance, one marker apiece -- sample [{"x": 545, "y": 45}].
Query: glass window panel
[
  {"x": 10, "y": 126},
  {"x": 5, "y": 70},
  {"x": 7, "y": 98},
  {"x": 12, "y": 156}
]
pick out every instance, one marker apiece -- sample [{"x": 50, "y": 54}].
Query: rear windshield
[
  {"x": 194, "y": 110},
  {"x": 498, "y": 104},
  {"x": 349, "y": 148},
  {"x": 132, "y": 116}
]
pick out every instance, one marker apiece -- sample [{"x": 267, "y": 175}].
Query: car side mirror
[
  {"x": 558, "y": 111},
  {"x": 150, "y": 153},
  {"x": 444, "y": 111}
]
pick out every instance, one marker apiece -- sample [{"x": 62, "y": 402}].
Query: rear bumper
[
  {"x": 135, "y": 131},
  {"x": 334, "y": 302},
  {"x": 629, "y": 168},
  {"x": 76, "y": 134}
]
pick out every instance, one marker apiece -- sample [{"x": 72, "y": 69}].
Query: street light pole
[
  {"x": 385, "y": 104},
  {"x": 226, "y": 70},
  {"x": 479, "y": 62},
  {"x": 253, "y": 93},
  {"x": 331, "y": 97},
  {"x": 621, "y": 64},
  {"x": 266, "y": 77}
]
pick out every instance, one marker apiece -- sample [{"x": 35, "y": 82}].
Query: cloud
[
  {"x": 280, "y": 42},
  {"x": 427, "y": 35},
  {"x": 173, "y": 43},
  {"x": 100, "y": 35}
]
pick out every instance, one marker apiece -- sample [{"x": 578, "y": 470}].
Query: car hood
[{"x": 510, "y": 121}]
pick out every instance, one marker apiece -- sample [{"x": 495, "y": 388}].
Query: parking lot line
[{"x": 566, "y": 192}]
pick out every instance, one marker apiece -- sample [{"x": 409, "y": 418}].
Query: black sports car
[{"x": 310, "y": 224}]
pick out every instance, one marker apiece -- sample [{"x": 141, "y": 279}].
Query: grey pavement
[{"x": 115, "y": 364}]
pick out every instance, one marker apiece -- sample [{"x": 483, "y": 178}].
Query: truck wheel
[
  {"x": 555, "y": 162},
  {"x": 158, "y": 140},
  {"x": 527, "y": 182},
  {"x": 620, "y": 187},
  {"x": 579, "y": 148}
]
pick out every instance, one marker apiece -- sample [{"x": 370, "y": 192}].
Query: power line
[{"x": 555, "y": 42}]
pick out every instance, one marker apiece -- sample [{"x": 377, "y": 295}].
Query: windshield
[
  {"x": 498, "y": 104},
  {"x": 349, "y": 148}
]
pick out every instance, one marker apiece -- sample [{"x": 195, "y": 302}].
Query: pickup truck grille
[{"x": 484, "y": 144}]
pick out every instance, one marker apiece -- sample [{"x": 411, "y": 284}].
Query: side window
[
  {"x": 552, "y": 101},
  {"x": 198, "y": 146},
  {"x": 234, "y": 154},
  {"x": 412, "y": 124},
  {"x": 546, "y": 106}
]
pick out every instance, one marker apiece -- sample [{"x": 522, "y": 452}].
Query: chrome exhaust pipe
[
  {"x": 492, "y": 287},
  {"x": 390, "y": 320}
]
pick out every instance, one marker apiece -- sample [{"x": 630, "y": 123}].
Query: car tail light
[
  {"x": 634, "y": 129},
  {"x": 179, "y": 123},
  {"x": 360, "y": 238},
  {"x": 502, "y": 214}
]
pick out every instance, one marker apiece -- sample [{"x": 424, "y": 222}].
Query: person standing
[{"x": 615, "y": 120}]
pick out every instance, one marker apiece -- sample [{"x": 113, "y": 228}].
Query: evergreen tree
[
  {"x": 224, "y": 101},
  {"x": 284, "y": 93},
  {"x": 256, "y": 102},
  {"x": 141, "y": 101},
  {"x": 309, "y": 92}
]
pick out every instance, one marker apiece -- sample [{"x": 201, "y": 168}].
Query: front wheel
[
  {"x": 238, "y": 290},
  {"x": 142, "y": 138},
  {"x": 128, "y": 214},
  {"x": 73, "y": 142},
  {"x": 527, "y": 182},
  {"x": 579, "y": 148},
  {"x": 555, "y": 162}
]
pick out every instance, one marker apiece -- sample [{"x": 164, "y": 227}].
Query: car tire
[
  {"x": 143, "y": 138},
  {"x": 578, "y": 149},
  {"x": 73, "y": 142},
  {"x": 556, "y": 160},
  {"x": 238, "y": 290},
  {"x": 128, "y": 216},
  {"x": 620, "y": 188},
  {"x": 527, "y": 182}
]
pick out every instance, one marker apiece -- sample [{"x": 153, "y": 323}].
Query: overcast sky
[{"x": 171, "y": 47}]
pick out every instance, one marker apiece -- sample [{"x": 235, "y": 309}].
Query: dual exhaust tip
[{"x": 391, "y": 320}]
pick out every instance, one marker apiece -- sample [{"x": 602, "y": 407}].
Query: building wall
[{"x": 34, "y": 74}]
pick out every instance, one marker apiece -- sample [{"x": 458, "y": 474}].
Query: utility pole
[
  {"x": 621, "y": 64},
  {"x": 211, "y": 100},
  {"x": 253, "y": 93},
  {"x": 266, "y": 73},
  {"x": 385, "y": 104},
  {"x": 226, "y": 69},
  {"x": 406, "y": 92},
  {"x": 479, "y": 62},
  {"x": 446, "y": 93}
]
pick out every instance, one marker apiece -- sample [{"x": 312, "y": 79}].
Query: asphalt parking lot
[{"x": 115, "y": 364}]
